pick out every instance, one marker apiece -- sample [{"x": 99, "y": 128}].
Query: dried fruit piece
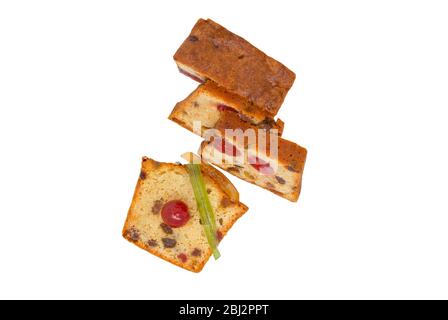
[
  {"x": 152, "y": 243},
  {"x": 226, "y": 147},
  {"x": 166, "y": 228},
  {"x": 169, "y": 243},
  {"x": 182, "y": 257},
  {"x": 219, "y": 235},
  {"x": 280, "y": 180},
  {"x": 132, "y": 234},
  {"x": 223, "y": 107},
  {"x": 157, "y": 206},
  {"x": 261, "y": 165}
]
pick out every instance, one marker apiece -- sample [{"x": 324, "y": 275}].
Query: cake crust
[{"x": 215, "y": 53}]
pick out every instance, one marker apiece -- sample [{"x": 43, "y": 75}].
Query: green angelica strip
[{"x": 205, "y": 208}]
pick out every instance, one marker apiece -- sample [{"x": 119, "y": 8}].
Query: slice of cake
[
  {"x": 164, "y": 220},
  {"x": 213, "y": 52},
  {"x": 266, "y": 160},
  {"x": 208, "y": 102}
]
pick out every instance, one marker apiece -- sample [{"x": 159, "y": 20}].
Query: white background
[{"x": 85, "y": 91}]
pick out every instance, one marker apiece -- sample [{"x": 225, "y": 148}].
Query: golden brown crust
[
  {"x": 174, "y": 117},
  {"x": 233, "y": 63},
  {"x": 147, "y": 166},
  {"x": 279, "y": 125}
]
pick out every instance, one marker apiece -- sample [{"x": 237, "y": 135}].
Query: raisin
[
  {"x": 169, "y": 243},
  {"x": 132, "y": 234},
  {"x": 142, "y": 175},
  {"x": 280, "y": 180},
  {"x": 196, "y": 252},
  {"x": 193, "y": 38},
  {"x": 152, "y": 243},
  {"x": 166, "y": 228},
  {"x": 291, "y": 168},
  {"x": 220, "y": 221},
  {"x": 157, "y": 206}
]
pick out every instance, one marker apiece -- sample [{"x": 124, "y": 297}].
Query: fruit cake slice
[
  {"x": 207, "y": 104},
  {"x": 213, "y": 52},
  {"x": 268, "y": 161},
  {"x": 164, "y": 220}
]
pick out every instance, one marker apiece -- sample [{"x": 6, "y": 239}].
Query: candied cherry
[
  {"x": 261, "y": 165},
  {"x": 182, "y": 257},
  {"x": 175, "y": 213},
  {"x": 226, "y": 147},
  {"x": 223, "y": 107}
]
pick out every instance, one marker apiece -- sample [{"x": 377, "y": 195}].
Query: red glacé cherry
[
  {"x": 175, "y": 213},
  {"x": 223, "y": 107},
  {"x": 182, "y": 257},
  {"x": 261, "y": 165},
  {"x": 223, "y": 146}
]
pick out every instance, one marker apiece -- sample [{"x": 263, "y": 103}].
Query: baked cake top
[{"x": 215, "y": 53}]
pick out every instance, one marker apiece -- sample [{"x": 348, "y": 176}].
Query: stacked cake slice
[{"x": 241, "y": 92}]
